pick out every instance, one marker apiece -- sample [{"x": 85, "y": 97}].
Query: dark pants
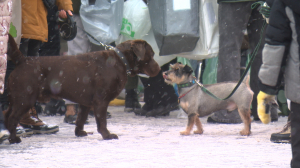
[
  {"x": 30, "y": 47},
  {"x": 295, "y": 133},
  {"x": 234, "y": 18},
  {"x": 157, "y": 92}
]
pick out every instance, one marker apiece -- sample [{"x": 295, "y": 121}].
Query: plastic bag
[
  {"x": 208, "y": 43},
  {"x": 175, "y": 25},
  {"x": 136, "y": 19},
  {"x": 102, "y": 20}
]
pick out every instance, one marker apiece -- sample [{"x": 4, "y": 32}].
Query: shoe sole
[
  {"x": 281, "y": 141},
  {"x": 46, "y": 132},
  {"x": 74, "y": 122},
  {"x": 128, "y": 110},
  {"x": 3, "y": 138}
]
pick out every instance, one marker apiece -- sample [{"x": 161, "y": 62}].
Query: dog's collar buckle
[{"x": 123, "y": 58}]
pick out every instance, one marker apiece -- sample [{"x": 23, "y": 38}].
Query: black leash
[{"x": 109, "y": 47}]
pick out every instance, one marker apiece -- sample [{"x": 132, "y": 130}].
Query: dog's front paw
[
  {"x": 184, "y": 133},
  {"x": 245, "y": 132},
  {"x": 111, "y": 136},
  {"x": 80, "y": 133},
  {"x": 198, "y": 132},
  {"x": 15, "y": 140}
]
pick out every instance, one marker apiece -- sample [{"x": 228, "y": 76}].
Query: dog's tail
[{"x": 13, "y": 52}]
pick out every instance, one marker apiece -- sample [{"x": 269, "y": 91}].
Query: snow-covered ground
[{"x": 149, "y": 142}]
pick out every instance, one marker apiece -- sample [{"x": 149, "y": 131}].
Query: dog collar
[
  {"x": 190, "y": 83},
  {"x": 121, "y": 55}
]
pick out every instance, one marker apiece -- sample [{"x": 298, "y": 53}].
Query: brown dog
[
  {"x": 91, "y": 80},
  {"x": 196, "y": 103}
]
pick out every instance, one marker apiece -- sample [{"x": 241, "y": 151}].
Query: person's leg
[
  {"x": 295, "y": 134},
  {"x": 233, "y": 20},
  {"x": 4, "y": 134},
  {"x": 148, "y": 106},
  {"x": 131, "y": 97},
  {"x": 3, "y": 131},
  {"x": 283, "y": 136},
  {"x": 33, "y": 47}
]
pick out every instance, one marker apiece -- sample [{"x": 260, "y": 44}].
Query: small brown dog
[
  {"x": 196, "y": 103},
  {"x": 92, "y": 80}
]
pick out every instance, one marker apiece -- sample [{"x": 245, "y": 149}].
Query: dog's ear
[
  {"x": 187, "y": 69},
  {"x": 138, "y": 47}
]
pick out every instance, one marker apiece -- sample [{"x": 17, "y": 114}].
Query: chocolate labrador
[{"x": 92, "y": 80}]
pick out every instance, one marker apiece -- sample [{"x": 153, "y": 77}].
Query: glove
[{"x": 263, "y": 99}]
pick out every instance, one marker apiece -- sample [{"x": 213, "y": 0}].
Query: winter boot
[
  {"x": 284, "y": 136},
  {"x": 223, "y": 116},
  {"x": 31, "y": 120}
]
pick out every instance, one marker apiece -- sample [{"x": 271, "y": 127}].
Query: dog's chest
[{"x": 185, "y": 105}]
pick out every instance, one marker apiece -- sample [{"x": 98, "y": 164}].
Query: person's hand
[
  {"x": 63, "y": 14},
  {"x": 263, "y": 99}
]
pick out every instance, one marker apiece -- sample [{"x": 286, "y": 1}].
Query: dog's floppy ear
[
  {"x": 187, "y": 69},
  {"x": 138, "y": 47}
]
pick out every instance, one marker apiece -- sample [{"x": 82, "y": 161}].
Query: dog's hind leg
[
  {"x": 12, "y": 120},
  {"x": 81, "y": 119},
  {"x": 7, "y": 113},
  {"x": 199, "y": 125},
  {"x": 100, "y": 111},
  {"x": 191, "y": 121},
  {"x": 245, "y": 115}
]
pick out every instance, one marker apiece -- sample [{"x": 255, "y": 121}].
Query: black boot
[
  {"x": 144, "y": 110},
  {"x": 131, "y": 100},
  {"x": 55, "y": 107}
]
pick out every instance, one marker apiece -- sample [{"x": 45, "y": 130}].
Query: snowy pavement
[{"x": 149, "y": 142}]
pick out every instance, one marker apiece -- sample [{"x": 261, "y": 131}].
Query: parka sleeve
[
  {"x": 278, "y": 38},
  {"x": 64, "y": 4}
]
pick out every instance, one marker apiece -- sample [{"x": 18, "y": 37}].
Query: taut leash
[
  {"x": 109, "y": 47},
  {"x": 244, "y": 74}
]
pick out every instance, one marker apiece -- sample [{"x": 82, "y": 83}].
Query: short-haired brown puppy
[
  {"x": 197, "y": 103},
  {"x": 92, "y": 80}
]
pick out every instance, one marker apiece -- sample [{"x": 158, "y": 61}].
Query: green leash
[{"x": 266, "y": 11}]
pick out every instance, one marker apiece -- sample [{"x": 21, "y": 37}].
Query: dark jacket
[{"x": 281, "y": 52}]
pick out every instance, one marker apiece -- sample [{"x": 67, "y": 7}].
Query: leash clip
[{"x": 200, "y": 84}]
